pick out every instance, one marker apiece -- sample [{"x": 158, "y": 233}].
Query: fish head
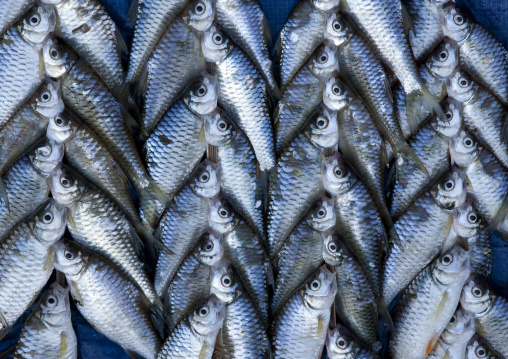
[
  {"x": 319, "y": 291},
  {"x": 337, "y": 178},
  {"x": 48, "y": 100},
  {"x": 451, "y": 191},
  {"x": 202, "y": 98},
  {"x": 211, "y": 249},
  {"x": 38, "y": 24},
  {"x": 200, "y": 15},
  {"x": 215, "y": 44},
  {"x": 49, "y": 224},
  {"x": 218, "y": 128},
  {"x": 336, "y": 95},
  {"x": 55, "y": 306},
  {"x": 444, "y": 61},
  {"x": 460, "y": 328},
  {"x": 58, "y": 58},
  {"x": 340, "y": 343},
  {"x": 464, "y": 148},
  {"x": 476, "y": 297},
  {"x": 467, "y": 221},
  {"x": 449, "y": 124},
  {"x": 205, "y": 181},
  {"x": 47, "y": 156},
  {"x": 70, "y": 258},
  {"x": 324, "y": 62},
  {"x": 66, "y": 186},
  {"x": 225, "y": 284},
  {"x": 455, "y": 25},
  {"x": 208, "y": 316},
  {"x": 50, "y": 2},
  {"x": 221, "y": 216},
  {"x": 322, "y": 217},
  {"x": 323, "y": 130},
  {"x": 62, "y": 126},
  {"x": 337, "y": 32},
  {"x": 333, "y": 250},
  {"x": 326, "y": 5},
  {"x": 478, "y": 349},
  {"x": 460, "y": 87},
  {"x": 452, "y": 268}
]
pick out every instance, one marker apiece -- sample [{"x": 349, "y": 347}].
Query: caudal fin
[
  {"x": 421, "y": 102},
  {"x": 152, "y": 202}
]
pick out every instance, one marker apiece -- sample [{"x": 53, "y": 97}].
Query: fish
[
  {"x": 428, "y": 304},
  {"x": 11, "y": 11},
  {"x": 431, "y": 145},
  {"x": 177, "y": 144},
  {"x": 301, "y": 325},
  {"x": 355, "y": 301},
  {"x": 381, "y": 23},
  {"x": 243, "y": 331},
  {"x": 48, "y": 330},
  {"x": 26, "y": 261},
  {"x": 195, "y": 336},
  {"x": 483, "y": 113},
  {"x": 357, "y": 217},
  {"x": 108, "y": 299},
  {"x": 191, "y": 282},
  {"x": 421, "y": 232},
  {"x": 302, "y": 252},
  {"x": 297, "y": 183},
  {"x": 237, "y": 168},
  {"x": 243, "y": 93},
  {"x": 341, "y": 344},
  {"x": 89, "y": 29},
  {"x": 22, "y": 64},
  {"x": 303, "y": 94},
  {"x": 481, "y": 55},
  {"x": 302, "y": 33},
  {"x": 26, "y": 184},
  {"x": 245, "y": 250},
  {"x": 477, "y": 348},
  {"x": 96, "y": 223},
  {"x": 245, "y": 23},
  {"x": 453, "y": 341},
  {"x": 184, "y": 222},
  {"x": 489, "y": 310},
  {"x": 176, "y": 61},
  {"x": 152, "y": 18}
]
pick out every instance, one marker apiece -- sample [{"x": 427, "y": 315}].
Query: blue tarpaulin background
[{"x": 491, "y": 13}]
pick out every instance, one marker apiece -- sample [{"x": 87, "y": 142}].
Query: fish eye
[
  {"x": 449, "y": 185},
  {"x": 226, "y": 280},
  {"x": 222, "y": 125},
  {"x": 322, "y": 58},
  {"x": 315, "y": 285},
  {"x": 337, "y": 89},
  {"x": 200, "y": 8},
  {"x": 321, "y": 212},
  {"x": 452, "y": 320},
  {"x": 463, "y": 82},
  {"x": 443, "y": 55},
  {"x": 332, "y": 247},
  {"x": 200, "y": 90},
  {"x": 51, "y": 301},
  {"x": 336, "y": 25},
  {"x": 59, "y": 121},
  {"x": 47, "y": 218},
  {"x": 339, "y": 172},
  {"x": 458, "y": 19},
  {"x": 472, "y": 218},
  {"x": 468, "y": 142},
  {"x": 321, "y": 123},
  {"x": 477, "y": 292},
  {"x": 35, "y": 19},
  {"x": 481, "y": 352},
  {"x": 46, "y": 96},
  {"x": 341, "y": 343},
  {"x": 203, "y": 312},
  {"x": 69, "y": 255},
  {"x": 449, "y": 115},
  {"x": 54, "y": 53},
  {"x": 65, "y": 182},
  {"x": 204, "y": 177},
  {"x": 447, "y": 260},
  {"x": 207, "y": 246},
  {"x": 218, "y": 39},
  {"x": 223, "y": 212}
]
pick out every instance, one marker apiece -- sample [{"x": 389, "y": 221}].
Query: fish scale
[{"x": 480, "y": 250}]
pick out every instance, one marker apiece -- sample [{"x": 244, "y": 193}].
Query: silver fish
[
  {"x": 48, "y": 330},
  {"x": 477, "y": 348},
  {"x": 195, "y": 336},
  {"x": 152, "y": 18},
  {"x": 341, "y": 344},
  {"x": 191, "y": 282},
  {"x": 302, "y": 252},
  {"x": 243, "y": 331},
  {"x": 421, "y": 232},
  {"x": 26, "y": 184},
  {"x": 481, "y": 54},
  {"x": 427, "y": 305},
  {"x": 22, "y": 64},
  {"x": 11, "y": 11},
  {"x": 357, "y": 217},
  {"x": 302, "y": 33},
  {"x": 185, "y": 221},
  {"x": 489, "y": 310},
  {"x": 26, "y": 262},
  {"x": 242, "y": 93},
  {"x": 298, "y": 183},
  {"x": 300, "y": 327},
  {"x": 108, "y": 299},
  {"x": 175, "y": 62}
]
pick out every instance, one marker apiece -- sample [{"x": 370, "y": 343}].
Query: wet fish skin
[
  {"x": 185, "y": 221},
  {"x": 26, "y": 261},
  {"x": 489, "y": 310},
  {"x": 481, "y": 54},
  {"x": 26, "y": 183},
  {"x": 195, "y": 335},
  {"x": 243, "y": 93},
  {"x": 340, "y": 344},
  {"x": 477, "y": 348},
  {"x": 11, "y": 11},
  {"x": 427, "y": 304},
  {"x": 302, "y": 252},
  {"x": 421, "y": 232},
  {"x": 119, "y": 312},
  {"x": 301, "y": 325},
  {"x": 48, "y": 330}
]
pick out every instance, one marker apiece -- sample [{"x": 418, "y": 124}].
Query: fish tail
[
  {"x": 151, "y": 202},
  {"x": 150, "y": 239},
  {"x": 157, "y": 314},
  {"x": 3, "y": 193},
  {"x": 420, "y": 101},
  {"x": 385, "y": 319}
]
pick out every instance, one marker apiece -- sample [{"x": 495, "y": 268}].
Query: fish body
[
  {"x": 341, "y": 344},
  {"x": 480, "y": 249},
  {"x": 11, "y": 11},
  {"x": 48, "y": 331}
]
